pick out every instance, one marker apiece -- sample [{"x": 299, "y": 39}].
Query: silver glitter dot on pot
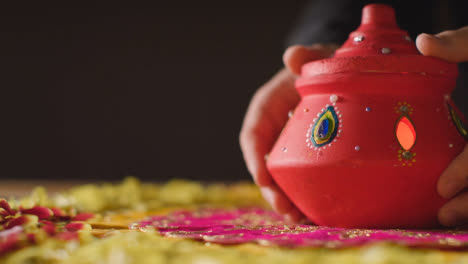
[
  {"x": 358, "y": 38},
  {"x": 368, "y": 109},
  {"x": 407, "y": 38},
  {"x": 333, "y": 98},
  {"x": 386, "y": 50},
  {"x": 284, "y": 149},
  {"x": 357, "y": 148}
]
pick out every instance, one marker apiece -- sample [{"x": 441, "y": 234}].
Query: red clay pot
[{"x": 373, "y": 132}]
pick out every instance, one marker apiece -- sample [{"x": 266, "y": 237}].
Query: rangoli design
[{"x": 264, "y": 227}]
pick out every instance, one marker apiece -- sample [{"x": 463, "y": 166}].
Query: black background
[{"x": 101, "y": 93}]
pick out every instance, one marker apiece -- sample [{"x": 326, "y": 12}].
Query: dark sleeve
[{"x": 327, "y": 21}]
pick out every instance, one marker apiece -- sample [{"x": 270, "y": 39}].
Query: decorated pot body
[{"x": 365, "y": 148}]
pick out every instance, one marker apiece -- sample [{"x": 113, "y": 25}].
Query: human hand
[
  {"x": 451, "y": 46},
  {"x": 267, "y": 114}
]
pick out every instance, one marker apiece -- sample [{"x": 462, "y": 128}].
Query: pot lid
[{"x": 379, "y": 46}]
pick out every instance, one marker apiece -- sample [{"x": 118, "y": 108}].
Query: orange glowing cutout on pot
[{"x": 405, "y": 133}]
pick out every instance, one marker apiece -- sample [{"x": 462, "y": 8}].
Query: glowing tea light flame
[{"x": 405, "y": 133}]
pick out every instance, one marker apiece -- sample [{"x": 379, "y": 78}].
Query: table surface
[{"x": 18, "y": 188}]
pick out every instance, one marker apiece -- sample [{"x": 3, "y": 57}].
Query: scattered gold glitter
[
  {"x": 264, "y": 242},
  {"x": 450, "y": 242}
]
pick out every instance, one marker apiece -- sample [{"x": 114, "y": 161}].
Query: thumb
[
  {"x": 296, "y": 56},
  {"x": 451, "y": 45}
]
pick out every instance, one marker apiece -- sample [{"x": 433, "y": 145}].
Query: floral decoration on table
[
  {"x": 189, "y": 222},
  {"x": 27, "y": 226}
]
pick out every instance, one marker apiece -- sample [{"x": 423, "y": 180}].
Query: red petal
[
  {"x": 19, "y": 221},
  {"x": 48, "y": 227},
  {"x": 73, "y": 227},
  {"x": 31, "y": 238},
  {"x": 57, "y": 211},
  {"x": 9, "y": 245},
  {"x": 41, "y": 212},
  {"x": 83, "y": 217},
  {"x": 10, "y": 239},
  {"x": 60, "y": 214},
  {"x": 6, "y": 206},
  {"x": 4, "y": 212},
  {"x": 67, "y": 236}
]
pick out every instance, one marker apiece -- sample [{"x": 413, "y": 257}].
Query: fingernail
[
  {"x": 427, "y": 37},
  {"x": 434, "y": 37},
  {"x": 268, "y": 194},
  {"x": 449, "y": 217}
]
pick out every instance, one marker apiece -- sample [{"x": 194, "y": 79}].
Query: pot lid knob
[
  {"x": 378, "y": 34},
  {"x": 378, "y": 45},
  {"x": 378, "y": 15}
]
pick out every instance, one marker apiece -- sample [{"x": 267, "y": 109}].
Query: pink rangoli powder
[{"x": 264, "y": 227}]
